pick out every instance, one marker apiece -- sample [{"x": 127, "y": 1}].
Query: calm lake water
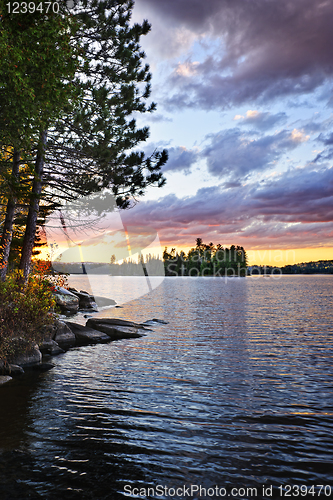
[{"x": 236, "y": 391}]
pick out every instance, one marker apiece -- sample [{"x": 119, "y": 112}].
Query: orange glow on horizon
[
  {"x": 256, "y": 257},
  {"x": 277, "y": 257},
  {"x": 282, "y": 257}
]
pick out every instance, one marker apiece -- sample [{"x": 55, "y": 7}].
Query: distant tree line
[
  {"x": 318, "y": 267},
  {"x": 143, "y": 266},
  {"x": 202, "y": 260},
  {"x": 206, "y": 260}
]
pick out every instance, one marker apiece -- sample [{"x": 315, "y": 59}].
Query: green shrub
[{"x": 24, "y": 309}]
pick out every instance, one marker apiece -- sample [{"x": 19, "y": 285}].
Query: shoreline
[{"x": 64, "y": 335}]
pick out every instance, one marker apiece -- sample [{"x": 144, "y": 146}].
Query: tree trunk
[
  {"x": 31, "y": 224},
  {"x": 7, "y": 232}
]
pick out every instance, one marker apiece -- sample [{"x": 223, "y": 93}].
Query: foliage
[
  {"x": 38, "y": 63},
  {"x": 99, "y": 139},
  {"x": 71, "y": 85},
  {"x": 202, "y": 260},
  {"x": 44, "y": 269},
  {"x": 26, "y": 309},
  {"x": 206, "y": 260}
]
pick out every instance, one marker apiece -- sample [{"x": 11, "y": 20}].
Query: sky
[
  {"x": 244, "y": 106},
  {"x": 245, "y": 109}
]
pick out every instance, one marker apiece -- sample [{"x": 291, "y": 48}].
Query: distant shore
[{"x": 139, "y": 269}]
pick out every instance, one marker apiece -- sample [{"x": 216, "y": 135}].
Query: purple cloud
[
  {"x": 293, "y": 210},
  {"x": 326, "y": 139},
  {"x": 180, "y": 159},
  {"x": 327, "y": 153},
  {"x": 268, "y": 49},
  {"x": 261, "y": 120},
  {"x": 234, "y": 153}
]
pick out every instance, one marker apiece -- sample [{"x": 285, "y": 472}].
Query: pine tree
[
  {"x": 37, "y": 65},
  {"x": 100, "y": 137},
  {"x": 92, "y": 133}
]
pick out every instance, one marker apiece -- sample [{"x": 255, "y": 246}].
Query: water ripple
[{"x": 235, "y": 390}]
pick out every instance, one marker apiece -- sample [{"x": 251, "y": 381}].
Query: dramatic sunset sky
[
  {"x": 244, "y": 95},
  {"x": 244, "y": 106}
]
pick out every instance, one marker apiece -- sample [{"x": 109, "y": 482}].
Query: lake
[{"x": 232, "y": 397}]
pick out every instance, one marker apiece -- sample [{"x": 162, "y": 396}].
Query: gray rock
[
  {"x": 4, "y": 379},
  {"x": 86, "y": 301},
  {"x": 50, "y": 348},
  {"x": 120, "y": 332},
  {"x": 83, "y": 294},
  {"x": 85, "y": 335},
  {"x": 103, "y": 301},
  {"x": 26, "y": 354},
  {"x": 63, "y": 335},
  {"x": 155, "y": 321},
  {"x": 12, "y": 370},
  {"x": 15, "y": 370},
  {"x": 111, "y": 321},
  {"x": 47, "y": 332},
  {"x": 116, "y": 331},
  {"x": 67, "y": 301}
]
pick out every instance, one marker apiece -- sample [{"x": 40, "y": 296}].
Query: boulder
[
  {"x": 155, "y": 321},
  {"x": 47, "y": 332},
  {"x": 4, "y": 379},
  {"x": 120, "y": 332},
  {"x": 112, "y": 321},
  {"x": 104, "y": 301},
  {"x": 91, "y": 302},
  {"x": 63, "y": 335},
  {"x": 85, "y": 335},
  {"x": 68, "y": 302},
  {"x": 12, "y": 370},
  {"x": 50, "y": 348},
  {"x": 25, "y": 353},
  {"x": 86, "y": 301},
  {"x": 15, "y": 370},
  {"x": 116, "y": 329}
]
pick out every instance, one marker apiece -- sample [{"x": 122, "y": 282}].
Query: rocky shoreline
[
  {"x": 71, "y": 301},
  {"x": 62, "y": 335}
]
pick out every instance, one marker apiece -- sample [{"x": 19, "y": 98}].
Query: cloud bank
[
  {"x": 266, "y": 49},
  {"x": 272, "y": 59},
  {"x": 293, "y": 210}
]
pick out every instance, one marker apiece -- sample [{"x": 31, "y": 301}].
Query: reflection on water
[
  {"x": 235, "y": 391},
  {"x": 122, "y": 289}
]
